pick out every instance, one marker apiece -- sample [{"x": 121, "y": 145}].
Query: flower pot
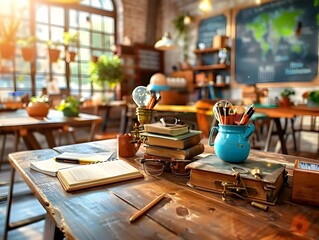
[
  {"x": 54, "y": 54},
  {"x": 28, "y": 54},
  {"x": 7, "y": 50},
  {"x": 94, "y": 59},
  {"x": 71, "y": 56},
  {"x": 37, "y": 109},
  {"x": 68, "y": 112},
  {"x": 285, "y": 102}
]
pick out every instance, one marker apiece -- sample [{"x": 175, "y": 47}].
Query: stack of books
[{"x": 172, "y": 142}]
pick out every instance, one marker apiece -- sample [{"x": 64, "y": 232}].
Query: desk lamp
[{"x": 146, "y": 98}]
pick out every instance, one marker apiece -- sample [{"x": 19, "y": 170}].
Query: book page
[
  {"x": 98, "y": 157},
  {"x": 50, "y": 166},
  {"x": 106, "y": 170}
]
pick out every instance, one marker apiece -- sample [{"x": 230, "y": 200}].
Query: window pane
[
  {"x": 6, "y": 80},
  {"x": 24, "y": 81},
  {"x": 96, "y": 22},
  {"x": 73, "y": 18},
  {"x": 5, "y": 9},
  {"x": 85, "y": 38},
  {"x": 85, "y": 20},
  {"x": 42, "y": 32},
  {"x": 85, "y": 68},
  {"x": 85, "y": 54},
  {"x": 22, "y": 8},
  {"x": 57, "y": 34},
  {"x": 109, "y": 41},
  {"x": 42, "y": 14},
  {"x": 108, "y": 25},
  {"x": 57, "y": 16},
  {"x": 96, "y": 40}
]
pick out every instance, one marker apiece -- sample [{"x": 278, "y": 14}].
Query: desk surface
[
  {"x": 289, "y": 112},
  {"x": 186, "y": 213},
  {"x": 17, "y": 121}
]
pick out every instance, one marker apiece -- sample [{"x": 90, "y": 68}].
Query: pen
[
  {"x": 75, "y": 160},
  {"x": 147, "y": 207},
  {"x": 231, "y": 114}
]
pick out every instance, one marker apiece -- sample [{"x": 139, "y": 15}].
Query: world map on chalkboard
[{"x": 277, "y": 42}]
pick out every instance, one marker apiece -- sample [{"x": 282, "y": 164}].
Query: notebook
[
  {"x": 51, "y": 166},
  {"x": 85, "y": 176}
]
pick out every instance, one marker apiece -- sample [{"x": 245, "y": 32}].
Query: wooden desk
[
  {"x": 18, "y": 121},
  {"x": 175, "y": 108},
  {"x": 104, "y": 212},
  {"x": 22, "y": 125},
  {"x": 277, "y": 113}
]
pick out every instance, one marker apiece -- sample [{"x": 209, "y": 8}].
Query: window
[{"x": 93, "y": 20}]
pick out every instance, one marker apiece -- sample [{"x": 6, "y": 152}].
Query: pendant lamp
[{"x": 165, "y": 43}]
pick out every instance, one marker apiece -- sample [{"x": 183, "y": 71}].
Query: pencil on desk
[{"x": 147, "y": 207}]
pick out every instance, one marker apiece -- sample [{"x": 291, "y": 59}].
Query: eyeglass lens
[
  {"x": 156, "y": 167},
  {"x": 168, "y": 121},
  {"x": 153, "y": 167}
]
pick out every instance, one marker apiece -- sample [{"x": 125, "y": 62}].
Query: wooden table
[
  {"x": 185, "y": 213},
  {"x": 277, "y": 113},
  {"x": 19, "y": 122}
]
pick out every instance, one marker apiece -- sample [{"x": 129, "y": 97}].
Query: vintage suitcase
[
  {"x": 305, "y": 182},
  {"x": 254, "y": 180}
]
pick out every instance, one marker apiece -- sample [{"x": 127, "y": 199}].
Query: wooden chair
[
  {"x": 204, "y": 121},
  {"x": 115, "y": 112}
]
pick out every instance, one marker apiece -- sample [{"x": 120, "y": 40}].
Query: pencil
[{"x": 147, "y": 207}]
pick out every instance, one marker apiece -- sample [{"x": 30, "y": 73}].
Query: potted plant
[
  {"x": 285, "y": 96},
  {"x": 72, "y": 41},
  {"x": 182, "y": 25},
  {"x": 107, "y": 71},
  {"x": 312, "y": 98},
  {"x": 28, "y": 48},
  {"x": 54, "y": 52},
  {"x": 8, "y": 38},
  {"x": 70, "y": 106},
  {"x": 38, "y": 107}
]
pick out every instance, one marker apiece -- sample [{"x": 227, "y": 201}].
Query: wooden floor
[{"x": 26, "y": 205}]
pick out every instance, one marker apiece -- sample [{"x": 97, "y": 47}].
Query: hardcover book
[
  {"x": 159, "y": 128},
  {"x": 216, "y": 175},
  {"x": 187, "y": 153},
  {"x": 182, "y": 141},
  {"x": 86, "y": 176}
]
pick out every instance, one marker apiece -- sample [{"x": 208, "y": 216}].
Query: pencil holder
[
  {"x": 144, "y": 115},
  {"x": 232, "y": 142}
]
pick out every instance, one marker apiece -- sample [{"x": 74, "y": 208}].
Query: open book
[
  {"x": 51, "y": 166},
  {"x": 97, "y": 174}
]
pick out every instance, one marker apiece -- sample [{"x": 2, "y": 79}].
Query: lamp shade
[
  {"x": 165, "y": 43},
  {"x": 158, "y": 82}
]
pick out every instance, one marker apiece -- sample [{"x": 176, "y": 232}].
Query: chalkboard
[
  {"x": 277, "y": 42},
  {"x": 210, "y": 27}
]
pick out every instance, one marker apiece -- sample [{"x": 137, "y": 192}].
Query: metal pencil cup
[{"x": 144, "y": 115}]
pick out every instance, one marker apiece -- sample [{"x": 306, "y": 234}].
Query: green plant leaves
[{"x": 107, "y": 70}]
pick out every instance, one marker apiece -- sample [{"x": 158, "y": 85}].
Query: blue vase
[{"x": 232, "y": 142}]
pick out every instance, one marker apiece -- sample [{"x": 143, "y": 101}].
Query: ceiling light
[
  {"x": 205, "y": 5},
  {"x": 165, "y": 43}
]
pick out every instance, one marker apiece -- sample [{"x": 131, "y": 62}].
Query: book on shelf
[
  {"x": 85, "y": 176},
  {"x": 51, "y": 166},
  {"x": 187, "y": 153},
  {"x": 213, "y": 174},
  {"x": 181, "y": 141},
  {"x": 159, "y": 128}
]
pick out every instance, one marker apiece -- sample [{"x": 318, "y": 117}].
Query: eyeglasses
[
  {"x": 155, "y": 167},
  {"x": 172, "y": 121}
]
